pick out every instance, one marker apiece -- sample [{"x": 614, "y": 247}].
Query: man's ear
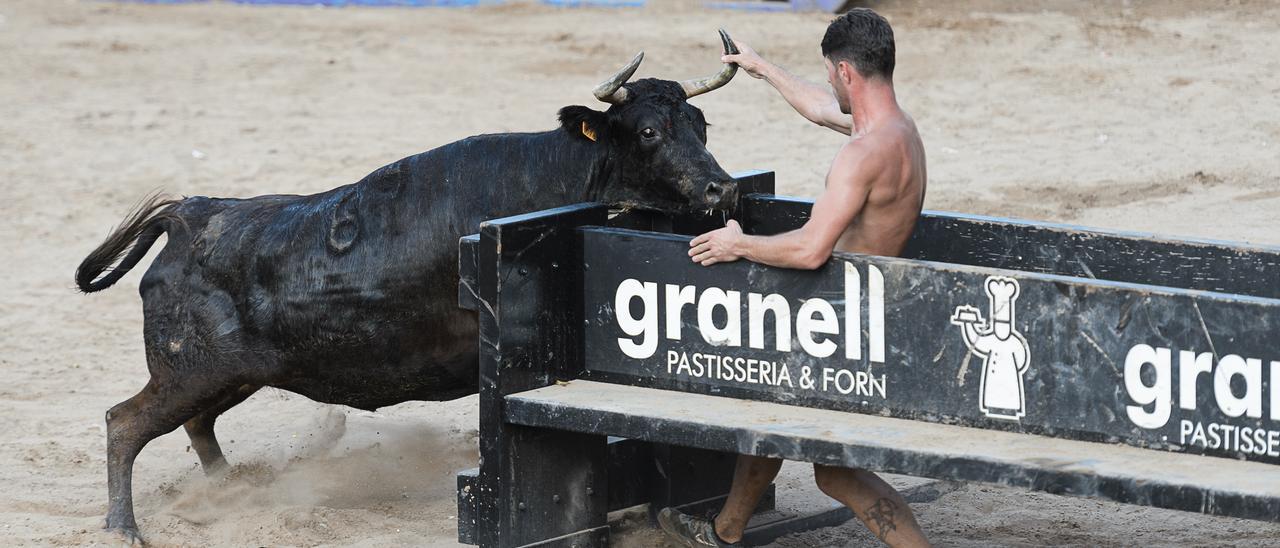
[
  {"x": 845, "y": 71},
  {"x": 584, "y": 123}
]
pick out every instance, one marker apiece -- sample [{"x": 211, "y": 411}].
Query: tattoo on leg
[{"x": 882, "y": 514}]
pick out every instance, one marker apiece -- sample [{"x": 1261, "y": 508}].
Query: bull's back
[{"x": 350, "y": 292}]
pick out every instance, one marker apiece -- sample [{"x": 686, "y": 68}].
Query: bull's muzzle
[{"x": 722, "y": 196}]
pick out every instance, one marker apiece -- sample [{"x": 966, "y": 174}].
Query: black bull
[{"x": 349, "y": 296}]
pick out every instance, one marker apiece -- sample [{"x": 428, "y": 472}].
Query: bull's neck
[{"x": 581, "y": 170}]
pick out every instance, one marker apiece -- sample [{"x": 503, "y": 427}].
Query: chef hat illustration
[{"x": 1003, "y": 292}]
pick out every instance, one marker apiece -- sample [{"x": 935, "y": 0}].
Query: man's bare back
[{"x": 894, "y": 154}]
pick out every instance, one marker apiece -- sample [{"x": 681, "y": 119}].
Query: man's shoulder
[
  {"x": 866, "y": 152},
  {"x": 886, "y": 142}
]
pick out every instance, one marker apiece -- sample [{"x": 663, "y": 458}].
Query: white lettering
[
  {"x": 847, "y": 386},
  {"x": 844, "y": 381},
  {"x": 1198, "y": 434},
  {"x": 815, "y": 324},
  {"x": 852, "y": 313},
  {"x": 1251, "y": 393},
  {"x": 728, "y": 368},
  {"x": 677, "y": 297},
  {"x": 1231, "y": 438},
  {"x": 875, "y": 314},
  {"x": 731, "y": 302},
  {"x": 646, "y": 324},
  {"x": 807, "y": 326},
  {"x": 756, "y": 308},
  {"x": 877, "y": 385},
  {"x": 1275, "y": 391},
  {"x": 1190, "y": 366},
  {"x": 1251, "y": 369},
  {"x": 1143, "y": 394},
  {"x": 683, "y": 367}
]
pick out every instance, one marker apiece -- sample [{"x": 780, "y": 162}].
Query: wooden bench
[{"x": 1131, "y": 365}]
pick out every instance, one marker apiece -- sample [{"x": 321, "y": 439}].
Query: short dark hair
[{"x": 864, "y": 39}]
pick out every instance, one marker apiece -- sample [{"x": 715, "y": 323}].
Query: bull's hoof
[
  {"x": 217, "y": 469},
  {"x": 129, "y": 535}
]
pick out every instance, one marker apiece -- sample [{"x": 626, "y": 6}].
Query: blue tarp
[
  {"x": 409, "y": 3},
  {"x": 339, "y": 3}
]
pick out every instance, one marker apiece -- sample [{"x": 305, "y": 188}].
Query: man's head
[{"x": 858, "y": 46}]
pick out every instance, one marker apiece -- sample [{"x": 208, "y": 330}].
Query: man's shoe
[{"x": 690, "y": 531}]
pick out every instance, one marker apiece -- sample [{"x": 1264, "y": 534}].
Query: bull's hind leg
[
  {"x": 158, "y": 409},
  {"x": 200, "y": 430}
]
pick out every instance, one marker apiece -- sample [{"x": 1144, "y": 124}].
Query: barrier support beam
[
  {"x": 1068, "y": 250},
  {"x": 536, "y": 486}
]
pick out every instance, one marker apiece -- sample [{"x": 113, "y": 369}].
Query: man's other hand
[
  {"x": 747, "y": 59},
  {"x": 718, "y": 246}
]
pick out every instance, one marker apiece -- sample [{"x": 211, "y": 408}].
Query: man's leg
[
  {"x": 751, "y": 476},
  {"x": 875, "y": 502}
]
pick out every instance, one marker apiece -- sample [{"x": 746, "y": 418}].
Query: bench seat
[{"x": 1122, "y": 473}]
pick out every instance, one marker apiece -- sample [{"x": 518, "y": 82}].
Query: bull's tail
[{"x": 127, "y": 244}]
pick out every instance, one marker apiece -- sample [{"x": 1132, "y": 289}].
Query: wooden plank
[
  {"x": 636, "y": 475},
  {"x": 641, "y": 472},
  {"x": 679, "y": 475},
  {"x": 763, "y": 531},
  {"x": 468, "y": 519},
  {"x": 533, "y": 485},
  {"x": 1164, "y": 368},
  {"x": 1066, "y": 467},
  {"x": 553, "y": 487},
  {"x": 1091, "y": 253},
  {"x": 1030, "y": 246}
]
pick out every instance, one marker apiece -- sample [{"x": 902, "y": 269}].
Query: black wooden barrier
[
  {"x": 896, "y": 350},
  {"x": 535, "y": 261},
  {"x": 988, "y": 323},
  {"x": 1007, "y": 244}
]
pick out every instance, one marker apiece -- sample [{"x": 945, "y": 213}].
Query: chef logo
[{"x": 1003, "y": 349}]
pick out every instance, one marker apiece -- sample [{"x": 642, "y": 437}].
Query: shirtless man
[{"x": 874, "y": 192}]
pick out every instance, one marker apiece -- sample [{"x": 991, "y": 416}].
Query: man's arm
[
  {"x": 812, "y": 101},
  {"x": 808, "y": 247}
]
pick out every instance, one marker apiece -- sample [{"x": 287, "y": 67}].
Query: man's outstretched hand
[
  {"x": 747, "y": 60},
  {"x": 723, "y": 245}
]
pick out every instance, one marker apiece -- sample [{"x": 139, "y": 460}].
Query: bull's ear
[{"x": 584, "y": 123}]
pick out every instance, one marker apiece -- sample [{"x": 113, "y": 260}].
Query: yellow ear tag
[{"x": 588, "y": 132}]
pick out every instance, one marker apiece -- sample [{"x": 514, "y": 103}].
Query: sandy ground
[{"x": 1154, "y": 117}]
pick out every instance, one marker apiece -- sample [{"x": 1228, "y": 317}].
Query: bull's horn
[
  {"x": 611, "y": 90},
  {"x": 693, "y": 88}
]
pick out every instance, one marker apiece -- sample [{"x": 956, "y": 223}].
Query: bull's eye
[{"x": 648, "y": 133}]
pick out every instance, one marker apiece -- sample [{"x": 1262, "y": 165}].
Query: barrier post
[{"x": 534, "y": 484}]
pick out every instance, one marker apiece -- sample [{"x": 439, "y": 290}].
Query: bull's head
[{"x": 656, "y": 141}]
